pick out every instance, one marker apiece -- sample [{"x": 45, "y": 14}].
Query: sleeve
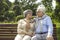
[
  {"x": 20, "y": 28},
  {"x": 50, "y": 27},
  {"x": 34, "y": 28}
]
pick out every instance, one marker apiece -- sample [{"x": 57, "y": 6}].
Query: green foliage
[
  {"x": 13, "y": 11},
  {"x": 17, "y": 10},
  {"x": 56, "y": 14},
  {"x": 10, "y": 15},
  {"x": 19, "y": 17},
  {"x": 48, "y": 5},
  {"x": 3, "y": 9}
]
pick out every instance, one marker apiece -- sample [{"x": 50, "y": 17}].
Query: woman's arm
[{"x": 20, "y": 30}]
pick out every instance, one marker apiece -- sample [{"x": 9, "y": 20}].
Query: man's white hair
[{"x": 41, "y": 8}]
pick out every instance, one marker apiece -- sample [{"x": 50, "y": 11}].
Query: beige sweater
[{"x": 22, "y": 26}]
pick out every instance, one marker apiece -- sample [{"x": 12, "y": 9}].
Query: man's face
[{"x": 39, "y": 13}]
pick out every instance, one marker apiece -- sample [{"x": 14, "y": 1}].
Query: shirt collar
[{"x": 42, "y": 17}]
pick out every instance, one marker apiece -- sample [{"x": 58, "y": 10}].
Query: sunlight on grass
[{"x": 58, "y": 30}]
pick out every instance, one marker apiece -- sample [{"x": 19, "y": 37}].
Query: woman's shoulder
[{"x": 21, "y": 20}]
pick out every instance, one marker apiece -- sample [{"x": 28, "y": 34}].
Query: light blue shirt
[{"x": 46, "y": 26}]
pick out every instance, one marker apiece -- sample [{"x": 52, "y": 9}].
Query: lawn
[
  {"x": 58, "y": 33},
  {"x": 58, "y": 30}
]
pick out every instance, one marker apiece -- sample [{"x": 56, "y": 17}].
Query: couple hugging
[{"x": 38, "y": 28}]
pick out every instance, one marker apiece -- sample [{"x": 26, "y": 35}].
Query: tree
[
  {"x": 9, "y": 11},
  {"x": 56, "y": 14},
  {"x": 48, "y": 5},
  {"x": 3, "y": 8},
  {"x": 26, "y": 4},
  {"x": 5, "y": 13}
]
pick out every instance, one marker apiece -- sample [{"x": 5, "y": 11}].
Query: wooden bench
[{"x": 9, "y": 31}]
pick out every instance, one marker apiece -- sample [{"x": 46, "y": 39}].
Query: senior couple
[{"x": 39, "y": 28}]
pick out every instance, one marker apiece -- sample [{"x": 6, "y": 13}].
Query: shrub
[{"x": 19, "y": 17}]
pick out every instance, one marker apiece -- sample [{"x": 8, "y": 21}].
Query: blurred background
[{"x": 12, "y": 10}]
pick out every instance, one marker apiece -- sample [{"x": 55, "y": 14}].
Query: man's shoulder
[{"x": 48, "y": 16}]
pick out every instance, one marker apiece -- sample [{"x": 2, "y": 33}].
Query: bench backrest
[{"x": 9, "y": 31}]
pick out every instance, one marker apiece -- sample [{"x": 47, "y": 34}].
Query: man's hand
[{"x": 50, "y": 38}]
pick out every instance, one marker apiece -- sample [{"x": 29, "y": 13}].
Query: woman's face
[
  {"x": 29, "y": 15},
  {"x": 39, "y": 13}
]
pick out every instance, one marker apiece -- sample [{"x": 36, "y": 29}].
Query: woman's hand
[
  {"x": 30, "y": 33},
  {"x": 27, "y": 26}
]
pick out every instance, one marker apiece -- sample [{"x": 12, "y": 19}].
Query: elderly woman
[
  {"x": 25, "y": 27},
  {"x": 43, "y": 25}
]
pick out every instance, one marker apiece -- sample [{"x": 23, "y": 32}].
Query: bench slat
[{"x": 10, "y": 31}]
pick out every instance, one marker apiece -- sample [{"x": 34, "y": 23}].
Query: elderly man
[{"x": 43, "y": 25}]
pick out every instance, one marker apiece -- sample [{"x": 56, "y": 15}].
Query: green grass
[
  {"x": 9, "y": 22},
  {"x": 58, "y": 30},
  {"x": 58, "y": 33}
]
